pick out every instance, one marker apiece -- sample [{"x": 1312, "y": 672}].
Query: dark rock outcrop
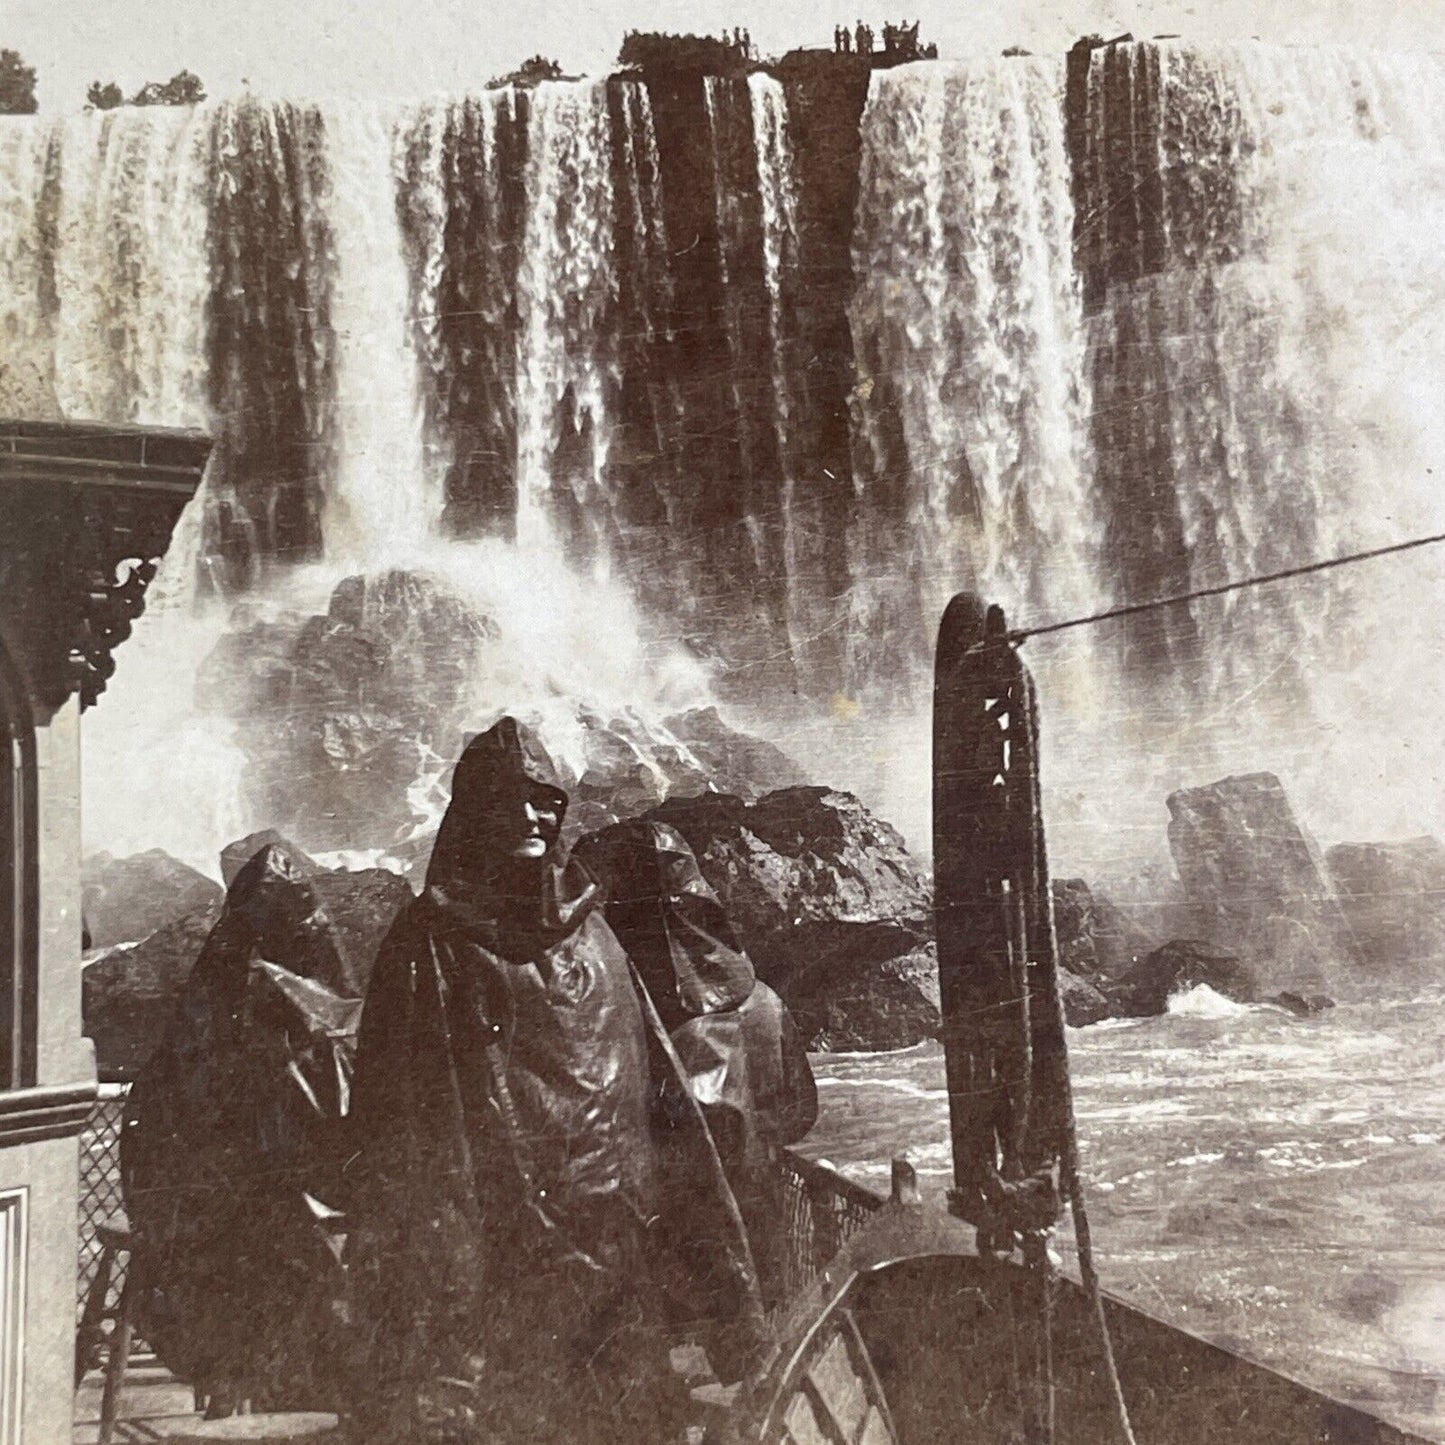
[
  {"x": 1083, "y": 1003},
  {"x": 1256, "y": 880},
  {"x": 338, "y": 712},
  {"x": 127, "y": 899},
  {"x": 1145, "y": 989},
  {"x": 828, "y": 904},
  {"x": 729, "y": 760},
  {"x": 1096, "y": 939},
  {"x": 281, "y": 907},
  {"x": 1393, "y": 895},
  {"x": 1300, "y": 1005},
  {"x": 887, "y": 1004},
  {"x": 129, "y": 994}
]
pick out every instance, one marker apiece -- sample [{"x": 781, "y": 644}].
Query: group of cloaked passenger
[{"x": 484, "y": 1201}]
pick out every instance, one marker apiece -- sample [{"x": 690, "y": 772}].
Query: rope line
[{"x": 1134, "y": 608}]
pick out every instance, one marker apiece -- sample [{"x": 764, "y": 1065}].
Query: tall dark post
[{"x": 1003, "y": 1039}]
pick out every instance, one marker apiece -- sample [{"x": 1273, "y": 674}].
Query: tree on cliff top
[
  {"x": 17, "y": 85},
  {"x": 104, "y": 97},
  {"x": 183, "y": 88},
  {"x": 531, "y": 72}
]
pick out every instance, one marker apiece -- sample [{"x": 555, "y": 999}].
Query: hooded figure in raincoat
[
  {"x": 745, "y": 1061},
  {"x": 536, "y": 1199}
]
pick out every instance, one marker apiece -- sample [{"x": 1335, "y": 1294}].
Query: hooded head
[
  {"x": 497, "y": 864},
  {"x": 669, "y": 919}
]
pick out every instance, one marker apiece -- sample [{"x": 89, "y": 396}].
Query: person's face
[{"x": 535, "y": 822}]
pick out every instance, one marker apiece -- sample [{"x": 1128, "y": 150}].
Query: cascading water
[
  {"x": 968, "y": 331},
  {"x": 971, "y": 464},
  {"x": 383, "y": 501},
  {"x": 1169, "y": 324},
  {"x": 1273, "y": 354},
  {"x": 566, "y": 290},
  {"x": 778, "y": 191}
]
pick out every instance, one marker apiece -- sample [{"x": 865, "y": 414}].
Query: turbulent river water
[{"x": 1274, "y": 1184}]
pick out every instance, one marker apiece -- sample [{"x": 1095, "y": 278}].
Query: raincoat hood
[
  {"x": 670, "y": 920},
  {"x": 518, "y": 907}
]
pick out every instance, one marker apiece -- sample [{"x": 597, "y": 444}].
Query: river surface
[{"x": 1271, "y": 1183}]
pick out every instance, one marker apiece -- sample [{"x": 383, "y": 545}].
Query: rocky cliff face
[
  {"x": 1393, "y": 896},
  {"x": 315, "y": 922},
  {"x": 1257, "y": 881},
  {"x": 829, "y": 905}
]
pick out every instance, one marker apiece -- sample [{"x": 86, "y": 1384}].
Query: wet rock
[
  {"x": 1302, "y": 1006},
  {"x": 126, "y": 899},
  {"x": 828, "y": 904},
  {"x": 1393, "y": 895},
  {"x": 129, "y": 994},
  {"x": 809, "y": 876},
  {"x": 317, "y": 923},
  {"x": 340, "y": 713},
  {"x": 885, "y": 1004},
  {"x": 1096, "y": 939},
  {"x": 1083, "y": 1003},
  {"x": 728, "y": 760},
  {"x": 1256, "y": 880},
  {"x": 1145, "y": 989}
]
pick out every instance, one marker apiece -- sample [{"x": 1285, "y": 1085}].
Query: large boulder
[
  {"x": 1393, "y": 895},
  {"x": 1145, "y": 989},
  {"x": 317, "y": 922},
  {"x": 828, "y": 903},
  {"x": 351, "y": 719},
  {"x": 890, "y": 1003},
  {"x": 124, "y": 900},
  {"x": 728, "y": 760},
  {"x": 1096, "y": 939},
  {"x": 129, "y": 994},
  {"x": 1083, "y": 1003},
  {"x": 809, "y": 877},
  {"x": 340, "y": 713},
  {"x": 1256, "y": 880}
]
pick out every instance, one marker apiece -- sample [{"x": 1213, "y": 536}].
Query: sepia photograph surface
[{"x": 724, "y": 723}]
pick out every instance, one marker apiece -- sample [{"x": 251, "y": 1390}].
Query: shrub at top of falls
[
  {"x": 337, "y": 712},
  {"x": 1256, "y": 880},
  {"x": 318, "y": 924},
  {"x": 126, "y": 899},
  {"x": 1393, "y": 895},
  {"x": 833, "y": 911}
]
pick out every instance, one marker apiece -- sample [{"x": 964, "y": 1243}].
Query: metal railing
[
  {"x": 100, "y": 1195},
  {"x": 824, "y": 1209}
]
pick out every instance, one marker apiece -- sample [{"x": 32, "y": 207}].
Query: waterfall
[
  {"x": 1270, "y": 354},
  {"x": 566, "y": 288},
  {"x": 778, "y": 190},
  {"x": 131, "y": 268},
  {"x": 775, "y": 364},
  {"x": 383, "y": 503},
  {"x": 969, "y": 342}
]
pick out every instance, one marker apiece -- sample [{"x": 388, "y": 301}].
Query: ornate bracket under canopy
[{"x": 86, "y": 514}]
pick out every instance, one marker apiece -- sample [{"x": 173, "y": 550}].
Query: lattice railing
[
  {"x": 823, "y": 1207},
  {"x": 100, "y": 1195},
  {"x": 824, "y": 1210}
]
